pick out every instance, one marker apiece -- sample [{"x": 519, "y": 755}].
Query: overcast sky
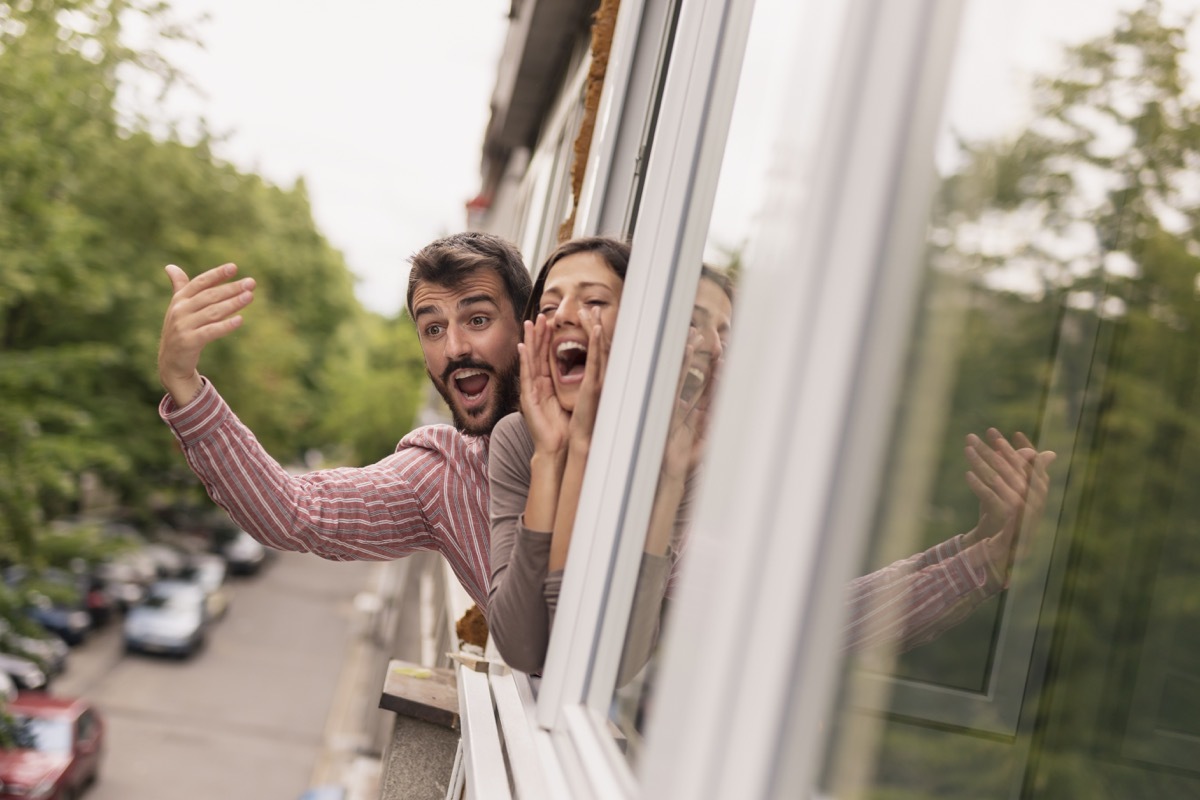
[{"x": 380, "y": 105}]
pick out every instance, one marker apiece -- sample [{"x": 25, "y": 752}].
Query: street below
[{"x": 244, "y": 719}]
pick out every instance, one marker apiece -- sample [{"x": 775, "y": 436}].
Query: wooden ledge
[{"x": 425, "y": 693}]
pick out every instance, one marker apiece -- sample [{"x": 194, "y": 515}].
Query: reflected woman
[{"x": 538, "y": 457}]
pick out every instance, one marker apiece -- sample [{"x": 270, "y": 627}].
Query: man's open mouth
[
  {"x": 471, "y": 383},
  {"x": 571, "y": 358}
]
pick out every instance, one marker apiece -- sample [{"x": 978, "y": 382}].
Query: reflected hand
[
  {"x": 201, "y": 311},
  {"x": 546, "y": 419},
  {"x": 688, "y": 420},
  {"x": 1011, "y": 485}
]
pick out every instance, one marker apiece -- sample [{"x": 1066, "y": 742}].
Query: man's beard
[{"x": 506, "y": 395}]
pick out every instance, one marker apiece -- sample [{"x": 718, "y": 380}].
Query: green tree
[
  {"x": 91, "y": 208},
  {"x": 1066, "y": 255}
]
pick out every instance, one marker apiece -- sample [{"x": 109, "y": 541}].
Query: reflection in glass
[{"x": 1060, "y": 299}]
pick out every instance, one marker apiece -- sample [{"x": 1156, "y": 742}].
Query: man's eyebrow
[
  {"x": 477, "y": 298},
  {"x": 421, "y": 310}
]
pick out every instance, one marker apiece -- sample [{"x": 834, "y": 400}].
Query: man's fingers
[
  {"x": 982, "y": 491},
  {"x": 205, "y": 280},
  {"x": 179, "y": 278},
  {"x": 1011, "y": 466}
]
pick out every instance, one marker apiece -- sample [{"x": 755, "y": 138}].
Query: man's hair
[
  {"x": 613, "y": 252},
  {"x": 451, "y": 259}
]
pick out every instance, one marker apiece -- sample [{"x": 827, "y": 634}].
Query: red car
[{"x": 59, "y": 744}]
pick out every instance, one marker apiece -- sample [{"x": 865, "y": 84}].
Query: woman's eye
[
  {"x": 547, "y": 310},
  {"x": 597, "y": 303}
]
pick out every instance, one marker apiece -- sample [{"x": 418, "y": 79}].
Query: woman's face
[
  {"x": 712, "y": 315},
  {"x": 581, "y": 290}
]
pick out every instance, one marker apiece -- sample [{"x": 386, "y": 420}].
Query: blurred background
[{"x": 293, "y": 141}]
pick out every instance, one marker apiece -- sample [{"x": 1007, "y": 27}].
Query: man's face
[{"x": 469, "y": 338}]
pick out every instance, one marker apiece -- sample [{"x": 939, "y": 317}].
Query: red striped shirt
[{"x": 431, "y": 494}]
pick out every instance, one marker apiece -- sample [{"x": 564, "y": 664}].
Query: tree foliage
[
  {"x": 90, "y": 211},
  {"x": 1065, "y": 258}
]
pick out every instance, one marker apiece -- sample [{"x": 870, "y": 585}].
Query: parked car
[
  {"x": 25, "y": 672},
  {"x": 126, "y": 576},
  {"x": 243, "y": 553},
  {"x": 60, "y": 743},
  {"x": 169, "y": 561},
  {"x": 66, "y": 616},
  {"x": 50, "y": 652},
  {"x": 173, "y": 620},
  {"x": 208, "y": 572},
  {"x": 69, "y": 623}
]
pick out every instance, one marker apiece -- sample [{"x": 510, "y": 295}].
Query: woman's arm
[{"x": 518, "y": 619}]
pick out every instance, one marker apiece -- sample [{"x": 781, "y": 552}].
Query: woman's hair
[
  {"x": 613, "y": 252},
  {"x": 719, "y": 277}
]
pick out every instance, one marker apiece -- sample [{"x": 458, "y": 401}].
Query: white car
[
  {"x": 208, "y": 572},
  {"x": 172, "y": 620}
]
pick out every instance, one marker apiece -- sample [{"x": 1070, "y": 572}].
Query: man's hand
[
  {"x": 1011, "y": 485},
  {"x": 202, "y": 310}
]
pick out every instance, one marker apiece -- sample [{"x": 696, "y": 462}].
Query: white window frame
[
  {"x": 602, "y": 566},
  {"x": 627, "y": 104},
  {"x": 786, "y": 506}
]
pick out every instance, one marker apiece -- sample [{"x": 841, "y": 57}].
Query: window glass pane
[
  {"x": 745, "y": 173},
  {"x": 1027, "y": 619}
]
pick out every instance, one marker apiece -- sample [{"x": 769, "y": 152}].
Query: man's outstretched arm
[
  {"x": 430, "y": 495},
  {"x": 912, "y": 602}
]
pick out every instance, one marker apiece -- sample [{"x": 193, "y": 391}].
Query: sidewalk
[{"x": 385, "y": 624}]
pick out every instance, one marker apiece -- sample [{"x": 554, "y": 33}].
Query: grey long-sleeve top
[{"x": 524, "y": 592}]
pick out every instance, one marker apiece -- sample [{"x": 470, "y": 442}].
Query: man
[{"x": 465, "y": 293}]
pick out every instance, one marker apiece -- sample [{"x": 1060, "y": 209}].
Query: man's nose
[{"x": 458, "y": 344}]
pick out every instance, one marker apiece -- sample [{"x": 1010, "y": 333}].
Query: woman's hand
[
  {"x": 688, "y": 421},
  {"x": 583, "y": 418},
  {"x": 546, "y": 419}
]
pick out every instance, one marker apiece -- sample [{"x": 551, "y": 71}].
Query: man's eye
[
  {"x": 479, "y": 321},
  {"x": 433, "y": 330}
]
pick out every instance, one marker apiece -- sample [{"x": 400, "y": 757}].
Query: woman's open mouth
[
  {"x": 693, "y": 383},
  {"x": 571, "y": 359}
]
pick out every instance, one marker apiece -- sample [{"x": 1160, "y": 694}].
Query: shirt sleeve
[
  {"x": 519, "y": 618},
  {"x": 419, "y": 498},
  {"x": 913, "y": 601}
]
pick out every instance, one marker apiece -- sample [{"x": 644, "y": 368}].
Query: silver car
[{"x": 173, "y": 619}]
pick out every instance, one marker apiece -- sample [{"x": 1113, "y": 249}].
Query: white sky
[{"x": 380, "y": 105}]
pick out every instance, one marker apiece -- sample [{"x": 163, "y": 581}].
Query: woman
[{"x": 538, "y": 457}]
